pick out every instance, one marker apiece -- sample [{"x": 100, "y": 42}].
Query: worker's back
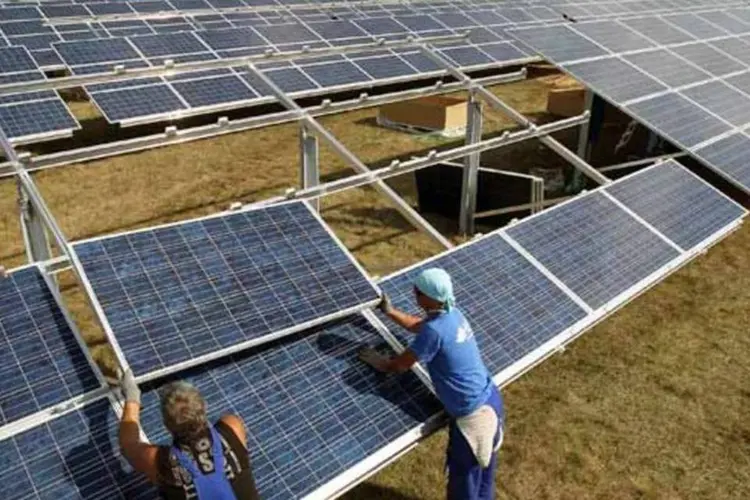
[{"x": 175, "y": 481}]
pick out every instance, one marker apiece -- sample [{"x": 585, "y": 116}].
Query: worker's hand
[
  {"x": 385, "y": 304},
  {"x": 129, "y": 388},
  {"x": 373, "y": 358}
]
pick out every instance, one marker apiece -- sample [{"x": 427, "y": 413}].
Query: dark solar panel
[
  {"x": 722, "y": 100},
  {"x": 678, "y": 204},
  {"x": 182, "y": 293},
  {"x": 235, "y": 38},
  {"x": 729, "y": 157},
  {"x": 212, "y": 91},
  {"x": 290, "y": 80},
  {"x": 41, "y": 362},
  {"x": 385, "y": 67},
  {"x": 137, "y": 102},
  {"x": 24, "y": 120},
  {"x": 333, "y": 74},
  {"x": 615, "y": 79},
  {"x": 594, "y": 247},
  {"x": 105, "y": 50},
  {"x": 16, "y": 59},
  {"x": 168, "y": 44}
]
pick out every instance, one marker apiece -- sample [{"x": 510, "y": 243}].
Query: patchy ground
[{"x": 651, "y": 403}]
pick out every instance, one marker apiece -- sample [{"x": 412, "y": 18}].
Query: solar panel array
[
  {"x": 180, "y": 294},
  {"x": 41, "y": 362},
  {"x": 686, "y": 76},
  {"x": 311, "y": 408},
  {"x": 548, "y": 276}
]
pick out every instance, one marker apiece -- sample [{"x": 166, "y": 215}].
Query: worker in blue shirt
[{"x": 446, "y": 345}]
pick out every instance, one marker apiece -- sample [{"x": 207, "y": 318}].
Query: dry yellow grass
[{"x": 650, "y": 404}]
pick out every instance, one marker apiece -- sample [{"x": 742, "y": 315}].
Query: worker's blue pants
[{"x": 467, "y": 480}]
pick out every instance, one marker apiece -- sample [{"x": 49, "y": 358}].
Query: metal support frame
[
  {"x": 309, "y": 162},
  {"x": 351, "y": 159},
  {"x": 470, "y": 181},
  {"x": 642, "y": 161},
  {"x": 173, "y": 136},
  {"x": 516, "y": 116},
  {"x": 585, "y": 129},
  {"x": 32, "y": 227}
]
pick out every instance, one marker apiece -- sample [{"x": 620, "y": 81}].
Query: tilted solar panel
[
  {"x": 212, "y": 91},
  {"x": 512, "y": 307},
  {"x": 594, "y": 247},
  {"x": 33, "y": 120},
  {"x": 16, "y": 59},
  {"x": 312, "y": 409},
  {"x": 41, "y": 362},
  {"x": 678, "y": 204},
  {"x": 74, "y": 456},
  {"x": 185, "y": 293},
  {"x": 729, "y": 157},
  {"x": 137, "y": 102}
]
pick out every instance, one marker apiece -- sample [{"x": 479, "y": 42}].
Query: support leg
[
  {"x": 32, "y": 227},
  {"x": 470, "y": 182},
  {"x": 309, "y": 158}
]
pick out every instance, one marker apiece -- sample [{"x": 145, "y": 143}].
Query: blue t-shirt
[{"x": 446, "y": 346}]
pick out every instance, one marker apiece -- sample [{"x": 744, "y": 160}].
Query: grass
[{"x": 651, "y": 403}]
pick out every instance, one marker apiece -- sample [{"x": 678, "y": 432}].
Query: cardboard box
[
  {"x": 431, "y": 113},
  {"x": 566, "y": 102}
]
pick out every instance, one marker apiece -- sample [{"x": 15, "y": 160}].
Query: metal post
[
  {"x": 470, "y": 184},
  {"x": 309, "y": 161},
  {"x": 584, "y": 130},
  {"x": 32, "y": 226}
]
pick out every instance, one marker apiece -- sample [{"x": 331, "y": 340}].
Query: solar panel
[
  {"x": 25, "y": 120},
  {"x": 466, "y": 56},
  {"x": 71, "y": 10},
  {"x": 727, "y": 22},
  {"x": 281, "y": 34},
  {"x": 168, "y": 44},
  {"x": 147, "y": 6},
  {"x": 104, "y": 50},
  {"x": 419, "y": 23},
  {"x": 678, "y": 119},
  {"x": 212, "y": 91},
  {"x": 35, "y": 42},
  {"x": 16, "y": 59},
  {"x": 135, "y": 102},
  {"x": 186, "y": 292},
  {"x": 41, "y": 362},
  {"x": 615, "y": 79},
  {"x": 729, "y": 156},
  {"x": 380, "y": 26},
  {"x": 515, "y": 15},
  {"x": 722, "y": 100},
  {"x": 594, "y": 247},
  {"x": 735, "y": 47},
  {"x": 24, "y": 28},
  {"x": 667, "y": 68},
  {"x": 422, "y": 62},
  {"x": 331, "y": 30},
  {"x": 699, "y": 28},
  {"x": 558, "y": 43},
  {"x": 289, "y": 80},
  {"x": 709, "y": 59},
  {"x": 108, "y": 8},
  {"x": 312, "y": 409},
  {"x": 333, "y": 74},
  {"x": 20, "y": 13},
  {"x": 503, "y": 52},
  {"x": 678, "y": 204},
  {"x": 235, "y": 38},
  {"x": 512, "y": 307},
  {"x": 74, "y": 456},
  {"x": 455, "y": 20},
  {"x": 613, "y": 36},
  {"x": 385, "y": 67},
  {"x": 657, "y": 30}
]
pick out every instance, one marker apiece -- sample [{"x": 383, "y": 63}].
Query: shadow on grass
[{"x": 369, "y": 491}]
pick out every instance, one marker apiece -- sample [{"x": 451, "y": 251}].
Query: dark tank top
[{"x": 175, "y": 483}]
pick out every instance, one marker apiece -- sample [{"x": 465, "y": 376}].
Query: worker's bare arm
[
  {"x": 405, "y": 320},
  {"x": 238, "y": 427},
  {"x": 140, "y": 455}
]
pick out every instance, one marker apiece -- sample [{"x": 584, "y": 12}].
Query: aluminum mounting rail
[{"x": 120, "y": 73}]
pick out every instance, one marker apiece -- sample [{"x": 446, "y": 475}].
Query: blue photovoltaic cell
[
  {"x": 722, "y": 100},
  {"x": 385, "y": 67},
  {"x": 466, "y": 56},
  {"x": 39, "y": 95},
  {"x": 729, "y": 156},
  {"x": 657, "y": 30},
  {"x": 380, "y": 26},
  {"x": 212, "y": 91},
  {"x": 515, "y": 15},
  {"x": 422, "y": 62},
  {"x": 25, "y": 28},
  {"x": 558, "y": 43},
  {"x": 33, "y": 118},
  {"x": 512, "y": 307},
  {"x": 331, "y": 30},
  {"x": 168, "y": 44},
  {"x": 97, "y": 52},
  {"x": 667, "y": 68},
  {"x": 41, "y": 362},
  {"x": 72, "y": 10},
  {"x": 699, "y": 28},
  {"x": 289, "y": 80},
  {"x": 419, "y": 23},
  {"x": 709, "y": 59},
  {"x": 137, "y": 102},
  {"x": 594, "y": 247},
  {"x": 678, "y": 119},
  {"x": 16, "y": 59},
  {"x": 105, "y": 8},
  {"x": 455, "y": 20},
  {"x": 19, "y": 13},
  {"x": 180, "y": 292},
  {"x": 503, "y": 52},
  {"x": 35, "y": 42},
  {"x": 677, "y": 203},
  {"x": 76, "y": 456},
  {"x": 613, "y": 36},
  {"x": 312, "y": 409},
  {"x": 281, "y": 34},
  {"x": 735, "y": 47},
  {"x": 615, "y": 79},
  {"x": 235, "y": 38},
  {"x": 339, "y": 73},
  {"x": 151, "y": 6}
]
